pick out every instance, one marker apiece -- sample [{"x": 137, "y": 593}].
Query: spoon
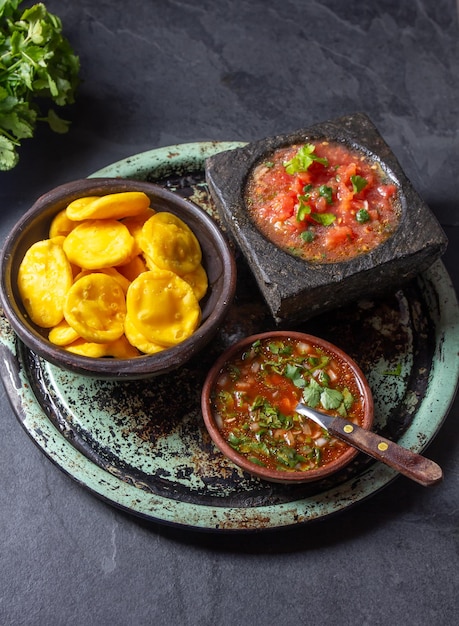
[{"x": 410, "y": 464}]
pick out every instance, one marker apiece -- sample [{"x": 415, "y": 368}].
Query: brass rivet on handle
[
  {"x": 383, "y": 446},
  {"x": 348, "y": 428}
]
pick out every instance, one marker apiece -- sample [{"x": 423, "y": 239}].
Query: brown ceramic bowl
[
  {"x": 34, "y": 226},
  {"x": 211, "y": 417}
]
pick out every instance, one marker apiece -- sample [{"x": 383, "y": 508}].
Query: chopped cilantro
[
  {"x": 256, "y": 460},
  {"x": 394, "y": 372},
  {"x": 234, "y": 372},
  {"x": 303, "y": 160},
  {"x": 358, "y": 183},
  {"x": 331, "y": 398},
  {"x": 362, "y": 216},
  {"x": 295, "y": 374},
  {"x": 280, "y": 348},
  {"x": 327, "y": 193},
  {"x": 36, "y": 63},
  {"x": 326, "y": 219},
  {"x": 323, "y": 378},
  {"x": 311, "y": 393},
  {"x": 303, "y": 210},
  {"x": 307, "y": 236},
  {"x": 348, "y": 399}
]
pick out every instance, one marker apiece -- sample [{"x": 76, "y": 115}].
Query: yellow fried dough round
[
  {"x": 62, "y": 334},
  {"x": 135, "y": 338},
  {"x": 111, "y": 206},
  {"x": 61, "y": 225},
  {"x": 109, "y": 271},
  {"x": 170, "y": 243},
  {"x": 120, "y": 349},
  {"x": 59, "y": 240},
  {"x": 150, "y": 264},
  {"x": 135, "y": 224},
  {"x": 163, "y": 307},
  {"x": 77, "y": 207},
  {"x": 132, "y": 268},
  {"x": 95, "y": 307},
  {"x": 44, "y": 277},
  {"x": 96, "y": 244},
  {"x": 198, "y": 281}
]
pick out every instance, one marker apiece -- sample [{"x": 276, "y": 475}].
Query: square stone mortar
[{"x": 295, "y": 289}]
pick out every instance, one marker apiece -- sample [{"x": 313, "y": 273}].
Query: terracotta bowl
[
  {"x": 217, "y": 260},
  {"x": 211, "y": 417}
]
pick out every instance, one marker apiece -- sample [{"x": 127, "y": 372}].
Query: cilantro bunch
[{"x": 37, "y": 64}]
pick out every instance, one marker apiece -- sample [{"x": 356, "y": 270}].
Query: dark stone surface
[
  {"x": 165, "y": 72},
  {"x": 295, "y": 289}
]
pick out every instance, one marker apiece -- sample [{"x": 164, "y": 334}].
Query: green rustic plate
[{"x": 142, "y": 446}]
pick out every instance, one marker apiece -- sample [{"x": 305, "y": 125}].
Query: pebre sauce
[
  {"x": 322, "y": 202},
  {"x": 256, "y": 393}
]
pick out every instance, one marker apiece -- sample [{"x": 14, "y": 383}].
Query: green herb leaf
[
  {"x": 323, "y": 378},
  {"x": 36, "y": 63},
  {"x": 362, "y": 216},
  {"x": 311, "y": 394},
  {"x": 234, "y": 372},
  {"x": 394, "y": 372},
  {"x": 331, "y": 398},
  {"x": 326, "y": 219},
  {"x": 303, "y": 211},
  {"x": 348, "y": 398},
  {"x": 56, "y": 123},
  {"x": 346, "y": 404},
  {"x": 358, "y": 183},
  {"x": 307, "y": 236},
  {"x": 233, "y": 440},
  {"x": 8, "y": 155},
  {"x": 295, "y": 374},
  {"x": 303, "y": 160},
  {"x": 281, "y": 348},
  {"x": 327, "y": 193},
  {"x": 256, "y": 460}
]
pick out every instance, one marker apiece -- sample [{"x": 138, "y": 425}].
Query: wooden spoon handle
[{"x": 410, "y": 464}]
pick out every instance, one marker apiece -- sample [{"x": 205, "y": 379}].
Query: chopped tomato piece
[{"x": 338, "y": 235}]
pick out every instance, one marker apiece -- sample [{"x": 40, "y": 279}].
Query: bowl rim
[
  {"x": 143, "y": 365},
  {"x": 241, "y": 461}
]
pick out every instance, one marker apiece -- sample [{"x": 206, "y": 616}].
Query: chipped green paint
[{"x": 142, "y": 446}]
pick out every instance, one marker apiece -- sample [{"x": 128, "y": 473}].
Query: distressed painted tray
[{"x": 142, "y": 446}]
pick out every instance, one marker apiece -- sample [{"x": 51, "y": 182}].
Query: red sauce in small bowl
[
  {"x": 249, "y": 401},
  {"x": 322, "y": 202}
]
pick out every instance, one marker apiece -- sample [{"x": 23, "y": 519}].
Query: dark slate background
[{"x": 160, "y": 72}]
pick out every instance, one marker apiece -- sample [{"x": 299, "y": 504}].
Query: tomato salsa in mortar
[
  {"x": 322, "y": 201},
  {"x": 257, "y": 390}
]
